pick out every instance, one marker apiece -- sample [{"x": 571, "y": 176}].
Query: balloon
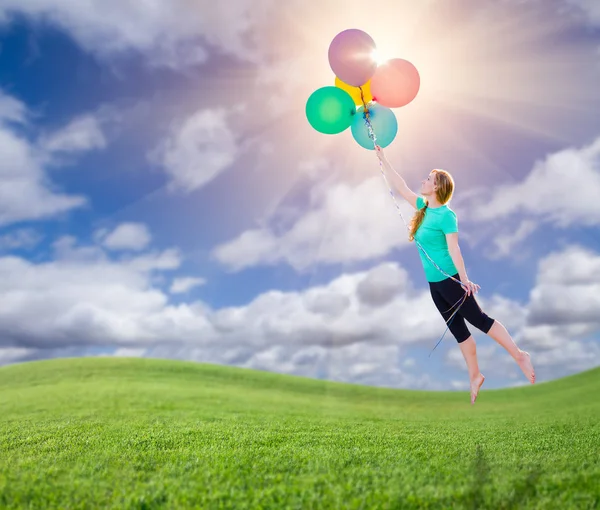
[
  {"x": 355, "y": 91},
  {"x": 330, "y": 110},
  {"x": 384, "y": 125},
  {"x": 350, "y": 57},
  {"x": 395, "y": 83}
]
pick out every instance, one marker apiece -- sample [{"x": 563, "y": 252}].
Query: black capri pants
[{"x": 447, "y": 293}]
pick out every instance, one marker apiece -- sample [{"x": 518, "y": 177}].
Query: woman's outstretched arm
[{"x": 397, "y": 181}]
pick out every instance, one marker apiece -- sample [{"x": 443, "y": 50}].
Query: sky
[{"x": 163, "y": 195}]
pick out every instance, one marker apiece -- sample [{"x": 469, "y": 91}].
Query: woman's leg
[
  {"x": 463, "y": 336},
  {"x": 473, "y": 313},
  {"x": 499, "y": 333},
  {"x": 469, "y": 351},
  {"x": 476, "y": 378}
]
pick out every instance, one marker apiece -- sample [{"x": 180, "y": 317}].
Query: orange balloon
[{"x": 395, "y": 83}]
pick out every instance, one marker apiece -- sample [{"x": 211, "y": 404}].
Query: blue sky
[{"x": 163, "y": 194}]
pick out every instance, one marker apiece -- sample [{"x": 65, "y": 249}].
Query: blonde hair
[{"x": 443, "y": 193}]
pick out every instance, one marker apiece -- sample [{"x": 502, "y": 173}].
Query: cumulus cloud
[
  {"x": 26, "y": 193},
  {"x": 103, "y": 302},
  {"x": 12, "y": 110},
  {"x": 174, "y": 34},
  {"x": 360, "y": 363},
  {"x": 183, "y": 285},
  {"x": 505, "y": 243},
  {"x": 197, "y": 150},
  {"x": 561, "y": 190},
  {"x": 335, "y": 314},
  {"x": 356, "y": 328},
  {"x": 564, "y": 303},
  {"x": 81, "y": 134},
  {"x": 560, "y": 193},
  {"x": 22, "y": 238},
  {"x": 83, "y": 298},
  {"x": 126, "y": 236},
  {"x": 345, "y": 223}
]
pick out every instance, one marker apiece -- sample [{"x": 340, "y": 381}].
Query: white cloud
[
  {"x": 167, "y": 260},
  {"x": 196, "y": 151},
  {"x": 574, "y": 265},
  {"x": 82, "y": 298},
  {"x": 174, "y": 34},
  {"x": 353, "y": 308},
  {"x": 564, "y": 305},
  {"x": 561, "y": 190},
  {"x": 81, "y": 134},
  {"x": 126, "y": 236},
  {"x": 183, "y": 285},
  {"x": 505, "y": 243},
  {"x": 12, "y": 110},
  {"x": 25, "y": 193},
  {"x": 346, "y": 223},
  {"x": 574, "y": 356},
  {"x": 359, "y": 363},
  {"x": 560, "y": 193},
  {"x": 567, "y": 289},
  {"x": 356, "y": 328},
  {"x": 23, "y": 238}
]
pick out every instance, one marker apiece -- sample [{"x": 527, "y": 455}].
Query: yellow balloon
[{"x": 355, "y": 91}]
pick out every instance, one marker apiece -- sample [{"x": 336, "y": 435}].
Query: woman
[{"x": 435, "y": 227}]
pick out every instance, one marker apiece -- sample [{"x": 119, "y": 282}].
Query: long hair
[{"x": 445, "y": 188}]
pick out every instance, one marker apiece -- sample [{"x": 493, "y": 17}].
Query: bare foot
[
  {"x": 475, "y": 385},
  {"x": 524, "y": 361}
]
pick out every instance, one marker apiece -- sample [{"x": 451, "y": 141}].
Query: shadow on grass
[{"x": 483, "y": 492}]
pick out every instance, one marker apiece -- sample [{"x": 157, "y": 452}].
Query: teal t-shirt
[{"x": 431, "y": 235}]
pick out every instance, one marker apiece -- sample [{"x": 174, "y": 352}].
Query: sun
[{"x": 378, "y": 58}]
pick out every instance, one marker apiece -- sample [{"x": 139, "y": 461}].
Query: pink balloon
[
  {"x": 395, "y": 83},
  {"x": 351, "y": 57}
]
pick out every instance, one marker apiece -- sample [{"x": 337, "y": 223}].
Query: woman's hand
[
  {"x": 379, "y": 152},
  {"x": 471, "y": 288}
]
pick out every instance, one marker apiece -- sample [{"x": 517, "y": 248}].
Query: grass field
[{"x": 143, "y": 433}]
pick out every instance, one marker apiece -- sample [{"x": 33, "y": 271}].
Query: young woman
[{"x": 435, "y": 227}]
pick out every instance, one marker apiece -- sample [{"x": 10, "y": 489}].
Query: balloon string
[{"x": 373, "y": 137}]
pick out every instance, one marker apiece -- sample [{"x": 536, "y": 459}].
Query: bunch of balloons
[{"x": 364, "y": 91}]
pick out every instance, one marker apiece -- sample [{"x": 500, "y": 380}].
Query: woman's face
[{"x": 428, "y": 185}]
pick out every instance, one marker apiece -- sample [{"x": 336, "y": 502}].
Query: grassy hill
[{"x": 144, "y": 433}]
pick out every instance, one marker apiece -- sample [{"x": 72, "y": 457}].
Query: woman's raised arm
[{"x": 397, "y": 180}]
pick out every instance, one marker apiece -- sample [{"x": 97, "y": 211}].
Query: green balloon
[{"x": 330, "y": 110}]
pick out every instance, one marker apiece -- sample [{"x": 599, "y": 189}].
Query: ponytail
[{"x": 416, "y": 222}]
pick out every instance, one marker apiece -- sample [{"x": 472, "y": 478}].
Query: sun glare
[{"x": 379, "y": 59}]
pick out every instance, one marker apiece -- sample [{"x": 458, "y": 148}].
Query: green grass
[{"x": 143, "y": 433}]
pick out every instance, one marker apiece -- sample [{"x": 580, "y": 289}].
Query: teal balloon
[
  {"x": 384, "y": 125},
  {"x": 330, "y": 110}
]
